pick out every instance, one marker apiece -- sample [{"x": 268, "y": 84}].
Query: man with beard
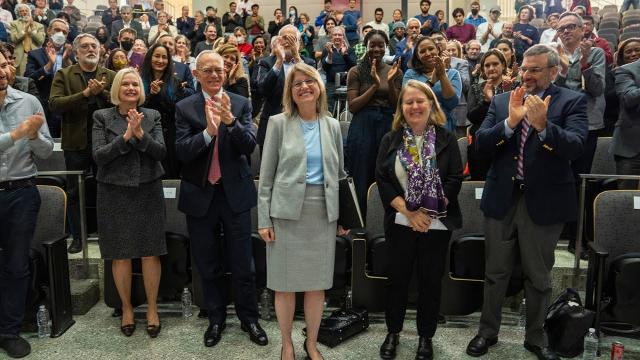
[
  {"x": 428, "y": 23},
  {"x": 207, "y": 44},
  {"x": 42, "y": 64},
  {"x": 23, "y": 135},
  {"x": 474, "y": 17},
  {"x": 533, "y": 133},
  {"x": 26, "y": 35},
  {"x": 76, "y": 92},
  {"x": 490, "y": 30},
  {"x": 507, "y": 34},
  {"x": 404, "y": 48},
  {"x": 126, "y": 38},
  {"x": 587, "y": 20},
  {"x": 473, "y": 58},
  {"x": 272, "y": 71},
  {"x": 125, "y": 22}
]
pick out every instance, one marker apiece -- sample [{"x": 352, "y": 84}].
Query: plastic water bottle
[
  {"x": 522, "y": 312},
  {"x": 44, "y": 322},
  {"x": 186, "y": 303},
  {"x": 348, "y": 301},
  {"x": 590, "y": 345},
  {"x": 265, "y": 305}
]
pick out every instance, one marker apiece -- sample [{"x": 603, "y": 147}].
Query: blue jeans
[
  {"x": 18, "y": 215},
  {"x": 626, "y": 4},
  {"x": 367, "y": 128}
]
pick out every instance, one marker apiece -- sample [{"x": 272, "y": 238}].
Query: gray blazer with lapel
[
  {"x": 127, "y": 163},
  {"x": 283, "y": 169},
  {"x": 627, "y": 131}
]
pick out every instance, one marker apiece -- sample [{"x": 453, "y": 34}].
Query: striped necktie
[{"x": 524, "y": 130}]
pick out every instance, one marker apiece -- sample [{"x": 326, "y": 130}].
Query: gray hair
[
  {"x": 207, "y": 52},
  {"x": 76, "y": 41},
  {"x": 126, "y": 8},
  {"x": 289, "y": 26},
  {"x": 470, "y": 42},
  {"x": 20, "y": 6},
  {"x": 571, "y": 13},
  {"x": 274, "y": 39},
  {"x": 553, "y": 59},
  {"x": 341, "y": 29},
  {"x": 60, "y": 21}
]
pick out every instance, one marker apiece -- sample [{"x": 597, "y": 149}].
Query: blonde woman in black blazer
[
  {"x": 302, "y": 164},
  {"x": 128, "y": 146}
]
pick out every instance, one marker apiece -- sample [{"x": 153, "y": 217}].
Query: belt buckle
[{"x": 521, "y": 186}]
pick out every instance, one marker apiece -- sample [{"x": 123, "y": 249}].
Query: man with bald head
[
  {"x": 214, "y": 140},
  {"x": 272, "y": 71}
]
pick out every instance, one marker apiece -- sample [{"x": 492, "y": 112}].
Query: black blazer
[
  {"x": 271, "y": 87},
  {"x": 449, "y": 165},
  {"x": 183, "y": 73},
  {"x": 36, "y": 60},
  {"x": 550, "y": 191},
  {"x": 236, "y": 145},
  {"x": 117, "y": 25}
]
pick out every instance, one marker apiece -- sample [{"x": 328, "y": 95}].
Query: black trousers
[
  {"x": 406, "y": 248},
  {"x": 18, "y": 215},
  {"x": 76, "y": 160},
  {"x": 209, "y": 256},
  {"x": 628, "y": 166}
]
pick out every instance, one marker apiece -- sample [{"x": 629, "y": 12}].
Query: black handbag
[
  {"x": 566, "y": 324},
  {"x": 341, "y": 325}
]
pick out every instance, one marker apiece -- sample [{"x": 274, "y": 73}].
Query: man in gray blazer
[
  {"x": 126, "y": 22},
  {"x": 625, "y": 144}
]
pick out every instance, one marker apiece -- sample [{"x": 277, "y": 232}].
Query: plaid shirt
[{"x": 360, "y": 50}]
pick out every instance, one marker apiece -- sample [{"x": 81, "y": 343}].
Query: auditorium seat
[{"x": 614, "y": 263}]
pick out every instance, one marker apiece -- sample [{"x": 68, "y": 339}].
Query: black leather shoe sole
[{"x": 476, "y": 353}]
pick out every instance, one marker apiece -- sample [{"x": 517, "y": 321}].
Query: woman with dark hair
[
  {"x": 259, "y": 52},
  {"x": 372, "y": 93},
  {"x": 163, "y": 91},
  {"x": 236, "y": 80},
  {"x": 506, "y": 47},
  {"x": 117, "y": 60},
  {"x": 105, "y": 44},
  {"x": 428, "y": 66},
  {"x": 493, "y": 81},
  {"x": 277, "y": 23},
  {"x": 292, "y": 17},
  {"x": 419, "y": 174},
  {"x": 329, "y": 24}
]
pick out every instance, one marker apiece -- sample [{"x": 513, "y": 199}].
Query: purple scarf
[{"x": 424, "y": 186}]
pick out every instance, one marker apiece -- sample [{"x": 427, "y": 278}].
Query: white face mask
[
  {"x": 58, "y": 38},
  {"x": 240, "y": 39}
]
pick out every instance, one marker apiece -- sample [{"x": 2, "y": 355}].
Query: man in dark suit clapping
[
  {"x": 214, "y": 140},
  {"x": 533, "y": 133}
]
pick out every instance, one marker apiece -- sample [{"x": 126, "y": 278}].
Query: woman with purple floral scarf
[{"x": 419, "y": 174}]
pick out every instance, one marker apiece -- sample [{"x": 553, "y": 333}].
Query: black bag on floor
[
  {"x": 341, "y": 325},
  {"x": 566, "y": 324}
]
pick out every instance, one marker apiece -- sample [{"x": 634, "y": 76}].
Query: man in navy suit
[
  {"x": 126, "y": 21},
  {"x": 533, "y": 133},
  {"x": 214, "y": 140},
  {"x": 272, "y": 71},
  {"x": 42, "y": 64},
  {"x": 182, "y": 71}
]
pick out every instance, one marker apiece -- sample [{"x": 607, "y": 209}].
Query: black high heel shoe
[
  {"x": 307, "y": 351},
  {"x": 128, "y": 329},
  {"x": 154, "y": 330}
]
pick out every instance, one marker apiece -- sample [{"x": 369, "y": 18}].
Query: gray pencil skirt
[{"x": 303, "y": 254}]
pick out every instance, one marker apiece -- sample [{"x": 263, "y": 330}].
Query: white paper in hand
[{"x": 436, "y": 224}]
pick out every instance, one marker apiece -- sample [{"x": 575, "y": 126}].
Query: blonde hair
[
  {"x": 187, "y": 43},
  {"x": 288, "y": 105},
  {"x": 228, "y": 49},
  {"x": 436, "y": 116},
  {"x": 117, "y": 81}
]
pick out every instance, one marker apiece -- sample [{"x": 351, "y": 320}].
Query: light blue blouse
[
  {"x": 313, "y": 146},
  {"x": 447, "y": 105}
]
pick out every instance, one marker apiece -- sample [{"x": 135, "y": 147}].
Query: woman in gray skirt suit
[
  {"x": 302, "y": 164},
  {"x": 128, "y": 147}
]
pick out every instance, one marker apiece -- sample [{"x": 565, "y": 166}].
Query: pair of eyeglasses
[
  {"x": 533, "y": 70},
  {"x": 569, "y": 27},
  {"x": 209, "y": 72},
  {"x": 308, "y": 82}
]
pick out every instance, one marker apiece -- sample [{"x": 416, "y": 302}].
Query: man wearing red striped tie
[{"x": 533, "y": 133}]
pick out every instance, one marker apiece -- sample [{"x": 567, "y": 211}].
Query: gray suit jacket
[
  {"x": 284, "y": 169},
  {"x": 127, "y": 163},
  {"x": 627, "y": 131}
]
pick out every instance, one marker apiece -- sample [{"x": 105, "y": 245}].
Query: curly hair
[{"x": 364, "y": 66}]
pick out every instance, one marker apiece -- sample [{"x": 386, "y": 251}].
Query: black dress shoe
[
  {"x": 16, "y": 347},
  {"x": 479, "y": 346},
  {"x": 213, "y": 334},
  {"x": 256, "y": 333},
  {"x": 542, "y": 353},
  {"x": 388, "y": 348},
  {"x": 75, "y": 247},
  {"x": 154, "y": 330},
  {"x": 128, "y": 329},
  {"x": 425, "y": 349}
]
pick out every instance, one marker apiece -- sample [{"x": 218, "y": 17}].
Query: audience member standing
[
  {"x": 126, "y": 39},
  {"x": 42, "y": 14},
  {"x": 474, "y": 18},
  {"x": 211, "y": 35},
  {"x": 76, "y": 92},
  {"x": 337, "y": 57},
  {"x": 126, "y": 22},
  {"x": 372, "y": 92},
  {"x": 185, "y": 24},
  {"x": 490, "y": 30},
  {"x": 299, "y": 222},
  {"x": 523, "y": 31},
  {"x": 461, "y": 30},
  {"x": 23, "y": 136},
  {"x": 550, "y": 35},
  {"x": 428, "y": 23},
  {"x": 162, "y": 28},
  {"x": 214, "y": 143},
  {"x": 529, "y": 193},
  {"x": 127, "y": 147},
  {"x": 231, "y": 19},
  {"x": 111, "y": 14},
  {"x": 277, "y": 23},
  {"x": 236, "y": 81},
  {"x": 254, "y": 23},
  {"x": 377, "y": 23},
  {"x": 26, "y": 35}
]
